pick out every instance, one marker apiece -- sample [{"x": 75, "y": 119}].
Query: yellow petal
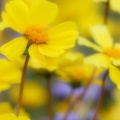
[
  {"x": 11, "y": 116},
  {"x": 101, "y": 36},
  {"x": 8, "y": 117},
  {"x": 43, "y": 12},
  {"x": 10, "y": 23},
  {"x": 15, "y": 48},
  {"x": 99, "y": 60},
  {"x": 87, "y": 43},
  {"x": 4, "y": 86},
  {"x": 115, "y": 61},
  {"x": 63, "y": 35},
  {"x": 23, "y": 118},
  {"x": 50, "y": 51},
  {"x": 36, "y": 55},
  {"x": 100, "y": 0},
  {"x": 115, "y": 5},
  {"x": 18, "y": 13},
  {"x": 2, "y": 26},
  {"x": 114, "y": 75}
]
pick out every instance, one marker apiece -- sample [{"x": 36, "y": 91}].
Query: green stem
[{"x": 17, "y": 108}]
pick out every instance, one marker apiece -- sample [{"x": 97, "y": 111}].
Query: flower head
[
  {"x": 33, "y": 20},
  {"x": 109, "y": 52}
]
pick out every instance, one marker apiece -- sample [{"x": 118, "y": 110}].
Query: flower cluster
[{"x": 46, "y": 67}]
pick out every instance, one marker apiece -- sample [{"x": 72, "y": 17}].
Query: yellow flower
[
  {"x": 33, "y": 20},
  {"x": 114, "y": 4},
  {"x": 73, "y": 10},
  {"x": 114, "y": 74},
  {"x": 9, "y": 74},
  {"x": 108, "y": 50},
  {"x": 33, "y": 99},
  {"x": 12, "y": 117},
  {"x": 6, "y": 108}
]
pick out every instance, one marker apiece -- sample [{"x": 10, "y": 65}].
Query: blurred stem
[
  {"x": 104, "y": 77},
  {"x": 49, "y": 98},
  {"x": 101, "y": 96},
  {"x": 106, "y": 12},
  {"x": 17, "y": 108},
  {"x": 73, "y": 104}
]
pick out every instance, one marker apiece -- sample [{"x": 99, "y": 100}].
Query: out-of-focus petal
[
  {"x": 101, "y": 36},
  {"x": 99, "y": 60},
  {"x": 115, "y": 75},
  {"x": 87, "y": 43}
]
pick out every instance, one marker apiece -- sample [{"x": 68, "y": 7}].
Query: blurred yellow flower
[
  {"x": 12, "y": 117},
  {"x": 6, "y": 108},
  {"x": 77, "y": 10},
  {"x": 32, "y": 19},
  {"x": 9, "y": 74},
  {"x": 108, "y": 50},
  {"x": 34, "y": 94}
]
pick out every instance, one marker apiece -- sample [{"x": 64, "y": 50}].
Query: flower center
[
  {"x": 113, "y": 52},
  {"x": 36, "y": 35}
]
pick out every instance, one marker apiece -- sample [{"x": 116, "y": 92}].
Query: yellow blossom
[
  {"x": 109, "y": 52},
  {"x": 33, "y": 20},
  {"x": 36, "y": 98},
  {"x": 9, "y": 74},
  {"x": 12, "y": 117}
]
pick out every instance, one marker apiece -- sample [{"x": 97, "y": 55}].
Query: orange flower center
[
  {"x": 113, "y": 52},
  {"x": 36, "y": 35}
]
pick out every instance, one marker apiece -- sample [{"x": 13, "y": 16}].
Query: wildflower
[
  {"x": 35, "y": 90},
  {"x": 33, "y": 19},
  {"x": 109, "y": 52}
]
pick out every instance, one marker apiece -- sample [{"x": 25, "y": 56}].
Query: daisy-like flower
[
  {"x": 32, "y": 19},
  {"x": 109, "y": 52},
  {"x": 114, "y": 4},
  {"x": 11, "y": 116}
]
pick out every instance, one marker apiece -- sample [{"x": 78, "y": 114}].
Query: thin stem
[
  {"x": 73, "y": 104},
  {"x": 49, "y": 100},
  {"x": 101, "y": 96},
  {"x": 106, "y": 12},
  {"x": 17, "y": 109}
]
